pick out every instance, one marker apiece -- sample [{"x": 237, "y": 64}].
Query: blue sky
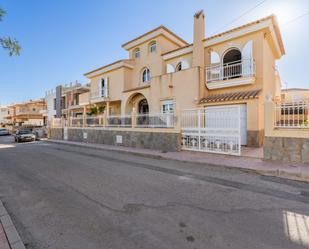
[{"x": 63, "y": 39}]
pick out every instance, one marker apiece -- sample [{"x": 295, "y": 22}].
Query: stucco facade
[
  {"x": 165, "y": 73},
  {"x": 3, "y": 114},
  {"x": 27, "y": 113}
]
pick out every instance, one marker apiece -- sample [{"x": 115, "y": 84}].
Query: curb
[
  {"x": 281, "y": 173},
  {"x": 10, "y": 231}
]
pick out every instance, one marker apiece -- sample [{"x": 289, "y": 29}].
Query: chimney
[{"x": 198, "y": 36}]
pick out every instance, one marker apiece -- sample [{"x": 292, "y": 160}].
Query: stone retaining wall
[
  {"x": 287, "y": 149},
  {"x": 164, "y": 141}
]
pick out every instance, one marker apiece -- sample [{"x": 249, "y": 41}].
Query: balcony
[
  {"x": 231, "y": 74},
  {"x": 98, "y": 96},
  {"x": 28, "y": 112}
]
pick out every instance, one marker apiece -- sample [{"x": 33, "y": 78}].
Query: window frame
[
  {"x": 152, "y": 44},
  {"x": 137, "y": 51},
  {"x": 147, "y": 74},
  {"x": 169, "y": 104}
]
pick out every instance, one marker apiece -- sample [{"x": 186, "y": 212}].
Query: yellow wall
[{"x": 292, "y": 95}]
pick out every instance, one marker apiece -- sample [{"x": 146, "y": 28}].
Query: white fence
[
  {"x": 215, "y": 130},
  {"x": 157, "y": 120},
  {"x": 242, "y": 68},
  {"x": 119, "y": 121},
  {"x": 292, "y": 115}
]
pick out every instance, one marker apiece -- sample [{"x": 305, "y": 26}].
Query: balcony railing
[
  {"x": 98, "y": 94},
  {"x": 235, "y": 69},
  {"x": 28, "y": 112}
]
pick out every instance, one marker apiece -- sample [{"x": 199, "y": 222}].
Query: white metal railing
[
  {"x": 292, "y": 115},
  {"x": 235, "y": 69},
  {"x": 98, "y": 94},
  {"x": 76, "y": 121},
  {"x": 119, "y": 121},
  {"x": 157, "y": 120},
  {"x": 94, "y": 121},
  {"x": 215, "y": 130}
]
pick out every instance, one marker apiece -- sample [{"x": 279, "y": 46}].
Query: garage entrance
[{"x": 216, "y": 129}]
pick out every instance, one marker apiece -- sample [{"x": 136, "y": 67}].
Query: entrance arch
[{"x": 137, "y": 101}]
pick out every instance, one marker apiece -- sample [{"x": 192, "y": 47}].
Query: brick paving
[{"x": 4, "y": 244}]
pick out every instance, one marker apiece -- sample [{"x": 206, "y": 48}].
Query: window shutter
[
  {"x": 247, "y": 51},
  {"x": 247, "y": 58},
  {"x": 99, "y": 88},
  {"x": 170, "y": 68},
  {"x": 106, "y": 90}
]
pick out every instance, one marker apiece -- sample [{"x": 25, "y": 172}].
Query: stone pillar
[
  {"x": 107, "y": 108},
  {"x": 178, "y": 120},
  {"x": 84, "y": 116},
  {"x": 133, "y": 117},
  {"x": 104, "y": 123},
  {"x": 269, "y": 118}
]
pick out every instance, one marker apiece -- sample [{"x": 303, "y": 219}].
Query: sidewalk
[
  {"x": 245, "y": 163},
  {"x": 9, "y": 238}
]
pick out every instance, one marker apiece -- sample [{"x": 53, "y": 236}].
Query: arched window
[
  {"x": 146, "y": 75},
  {"x": 232, "y": 56},
  {"x": 182, "y": 65},
  {"x": 152, "y": 47},
  {"x": 232, "y": 66},
  {"x": 137, "y": 53}
]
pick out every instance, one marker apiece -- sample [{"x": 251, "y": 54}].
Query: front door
[{"x": 143, "y": 107}]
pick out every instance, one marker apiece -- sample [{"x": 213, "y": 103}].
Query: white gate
[{"x": 215, "y": 130}]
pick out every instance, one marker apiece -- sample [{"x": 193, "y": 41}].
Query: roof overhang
[
  {"x": 233, "y": 96},
  {"x": 269, "y": 23},
  {"x": 161, "y": 30},
  {"x": 109, "y": 67},
  {"x": 177, "y": 52}
]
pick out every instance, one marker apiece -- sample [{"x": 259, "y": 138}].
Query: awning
[{"x": 230, "y": 96}]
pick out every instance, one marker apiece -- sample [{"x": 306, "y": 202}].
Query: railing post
[{"x": 178, "y": 120}]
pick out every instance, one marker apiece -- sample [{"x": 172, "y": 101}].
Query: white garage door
[
  {"x": 212, "y": 119},
  {"x": 214, "y": 129}
]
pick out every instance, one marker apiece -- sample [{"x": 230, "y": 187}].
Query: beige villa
[
  {"x": 29, "y": 113},
  {"x": 164, "y": 74}
]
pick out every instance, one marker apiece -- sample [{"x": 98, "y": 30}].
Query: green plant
[
  {"x": 101, "y": 109},
  {"x": 93, "y": 110},
  {"x": 8, "y": 43}
]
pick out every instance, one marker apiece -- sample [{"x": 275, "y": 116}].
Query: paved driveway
[{"x": 61, "y": 196}]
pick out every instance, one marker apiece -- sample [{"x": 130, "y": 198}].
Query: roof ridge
[
  {"x": 153, "y": 30},
  {"x": 241, "y": 26}
]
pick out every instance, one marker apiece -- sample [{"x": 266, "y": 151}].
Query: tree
[{"x": 8, "y": 43}]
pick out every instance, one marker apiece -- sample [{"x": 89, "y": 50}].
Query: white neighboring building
[
  {"x": 50, "y": 100},
  {"x": 3, "y": 114}
]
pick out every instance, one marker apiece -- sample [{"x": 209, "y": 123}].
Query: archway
[
  {"x": 232, "y": 64},
  {"x": 138, "y": 102}
]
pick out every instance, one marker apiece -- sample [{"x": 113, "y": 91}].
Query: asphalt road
[{"x": 62, "y": 196}]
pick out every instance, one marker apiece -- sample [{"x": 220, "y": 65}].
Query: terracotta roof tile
[{"x": 230, "y": 96}]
